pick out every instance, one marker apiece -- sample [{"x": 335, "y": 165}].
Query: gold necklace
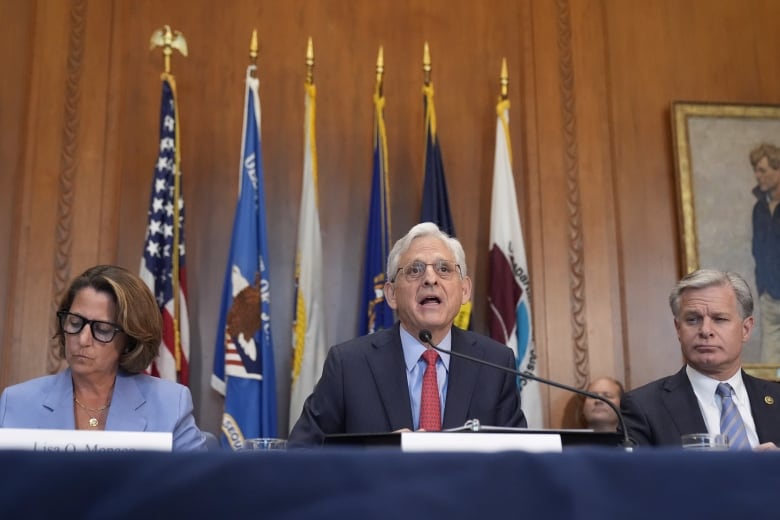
[{"x": 93, "y": 413}]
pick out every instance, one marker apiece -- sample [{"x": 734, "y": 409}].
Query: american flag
[{"x": 158, "y": 264}]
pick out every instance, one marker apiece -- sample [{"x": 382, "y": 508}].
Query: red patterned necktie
[{"x": 430, "y": 405}]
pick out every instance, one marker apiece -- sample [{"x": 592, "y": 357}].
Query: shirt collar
[
  {"x": 413, "y": 349},
  {"x": 705, "y": 386}
]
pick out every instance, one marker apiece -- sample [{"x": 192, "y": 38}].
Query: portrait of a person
[{"x": 765, "y": 160}]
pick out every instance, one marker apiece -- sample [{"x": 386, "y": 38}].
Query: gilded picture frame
[{"x": 715, "y": 182}]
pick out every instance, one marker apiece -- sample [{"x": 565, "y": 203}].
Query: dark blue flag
[
  {"x": 435, "y": 201},
  {"x": 375, "y": 314},
  {"x": 244, "y": 354}
]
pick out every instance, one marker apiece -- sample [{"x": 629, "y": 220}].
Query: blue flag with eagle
[{"x": 244, "y": 353}]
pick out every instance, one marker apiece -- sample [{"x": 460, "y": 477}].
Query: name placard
[
  {"x": 481, "y": 442},
  {"x": 83, "y": 440}
]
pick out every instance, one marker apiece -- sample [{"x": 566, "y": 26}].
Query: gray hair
[
  {"x": 704, "y": 278},
  {"x": 425, "y": 229}
]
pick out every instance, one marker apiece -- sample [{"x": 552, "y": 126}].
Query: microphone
[{"x": 426, "y": 337}]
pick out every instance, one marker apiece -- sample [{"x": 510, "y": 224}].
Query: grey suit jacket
[
  {"x": 139, "y": 403},
  {"x": 363, "y": 388},
  {"x": 660, "y": 412}
]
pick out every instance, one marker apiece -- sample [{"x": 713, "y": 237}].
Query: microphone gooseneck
[{"x": 425, "y": 336}]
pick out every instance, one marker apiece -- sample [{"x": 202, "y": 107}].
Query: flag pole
[
  {"x": 312, "y": 92},
  {"x": 504, "y": 80},
  {"x": 253, "y": 52},
  {"x": 170, "y": 40},
  {"x": 502, "y": 108},
  {"x": 309, "y": 62},
  {"x": 379, "y": 105},
  {"x": 427, "y": 65},
  {"x": 380, "y": 71},
  {"x": 430, "y": 113}
]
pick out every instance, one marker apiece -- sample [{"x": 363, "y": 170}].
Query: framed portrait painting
[{"x": 719, "y": 150}]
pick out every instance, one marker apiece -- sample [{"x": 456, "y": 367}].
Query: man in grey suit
[
  {"x": 713, "y": 315},
  {"x": 375, "y": 383}
]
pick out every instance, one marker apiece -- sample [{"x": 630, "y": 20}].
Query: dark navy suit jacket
[
  {"x": 364, "y": 389},
  {"x": 660, "y": 412}
]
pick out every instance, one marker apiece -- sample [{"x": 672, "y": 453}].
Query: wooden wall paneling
[
  {"x": 16, "y": 56},
  {"x": 553, "y": 308},
  {"x": 529, "y": 178},
  {"x": 603, "y": 312},
  {"x": 640, "y": 54},
  {"x": 662, "y": 53},
  {"x": 86, "y": 217},
  {"x": 30, "y": 291}
]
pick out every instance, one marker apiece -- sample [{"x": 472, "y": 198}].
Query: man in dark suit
[
  {"x": 713, "y": 315},
  {"x": 376, "y": 383}
]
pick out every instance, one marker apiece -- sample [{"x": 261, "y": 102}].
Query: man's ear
[
  {"x": 390, "y": 295},
  {"x": 466, "y": 287}
]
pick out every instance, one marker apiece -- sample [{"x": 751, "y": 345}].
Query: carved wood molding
[
  {"x": 67, "y": 170},
  {"x": 573, "y": 200}
]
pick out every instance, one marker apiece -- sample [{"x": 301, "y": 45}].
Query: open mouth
[{"x": 430, "y": 300}]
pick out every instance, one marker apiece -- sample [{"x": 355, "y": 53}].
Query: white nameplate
[
  {"x": 482, "y": 442},
  {"x": 83, "y": 440}
]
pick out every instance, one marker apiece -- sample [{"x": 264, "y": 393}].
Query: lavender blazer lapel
[
  {"x": 57, "y": 403},
  {"x": 126, "y": 410}
]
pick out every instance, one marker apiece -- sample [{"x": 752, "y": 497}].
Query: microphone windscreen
[{"x": 425, "y": 336}]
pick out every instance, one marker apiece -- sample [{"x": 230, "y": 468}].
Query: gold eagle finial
[{"x": 168, "y": 40}]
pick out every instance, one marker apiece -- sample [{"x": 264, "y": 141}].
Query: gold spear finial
[
  {"x": 168, "y": 40},
  {"x": 427, "y": 64},
  {"x": 310, "y": 62},
  {"x": 253, "y": 47},
  {"x": 504, "y": 80},
  {"x": 380, "y": 70}
]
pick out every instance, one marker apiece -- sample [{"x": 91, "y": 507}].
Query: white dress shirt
[{"x": 709, "y": 403}]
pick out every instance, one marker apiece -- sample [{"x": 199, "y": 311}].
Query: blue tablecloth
[{"x": 384, "y": 483}]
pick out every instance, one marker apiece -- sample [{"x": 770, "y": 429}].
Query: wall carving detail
[
  {"x": 67, "y": 171},
  {"x": 573, "y": 200}
]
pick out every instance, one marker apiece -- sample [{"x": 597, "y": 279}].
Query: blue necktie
[{"x": 730, "y": 421}]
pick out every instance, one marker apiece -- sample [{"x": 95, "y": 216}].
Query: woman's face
[
  {"x": 597, "y": 412},
  {"x": 86, "y": 355}
]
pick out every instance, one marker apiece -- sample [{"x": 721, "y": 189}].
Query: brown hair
[
  {"x": 137, "y": 313},
  {"x": 771, "y": 152}
]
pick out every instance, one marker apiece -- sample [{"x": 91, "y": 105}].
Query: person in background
[
  {"x": 384, "y": 382},
  {"x": 765, "y": 160},
  {"x": 109, "y": 329},
  {"x": 597, "y": 415},
  {"x": 713, "y": 315}
]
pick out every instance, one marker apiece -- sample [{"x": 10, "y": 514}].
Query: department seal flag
[
  {"x": 509, "y": 314},
  {"x": 243, "y": 356}
]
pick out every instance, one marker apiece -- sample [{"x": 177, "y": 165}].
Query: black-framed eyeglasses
[
  {"x": 102, "y": 331},
  {"x": 444, "y": 269}
]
